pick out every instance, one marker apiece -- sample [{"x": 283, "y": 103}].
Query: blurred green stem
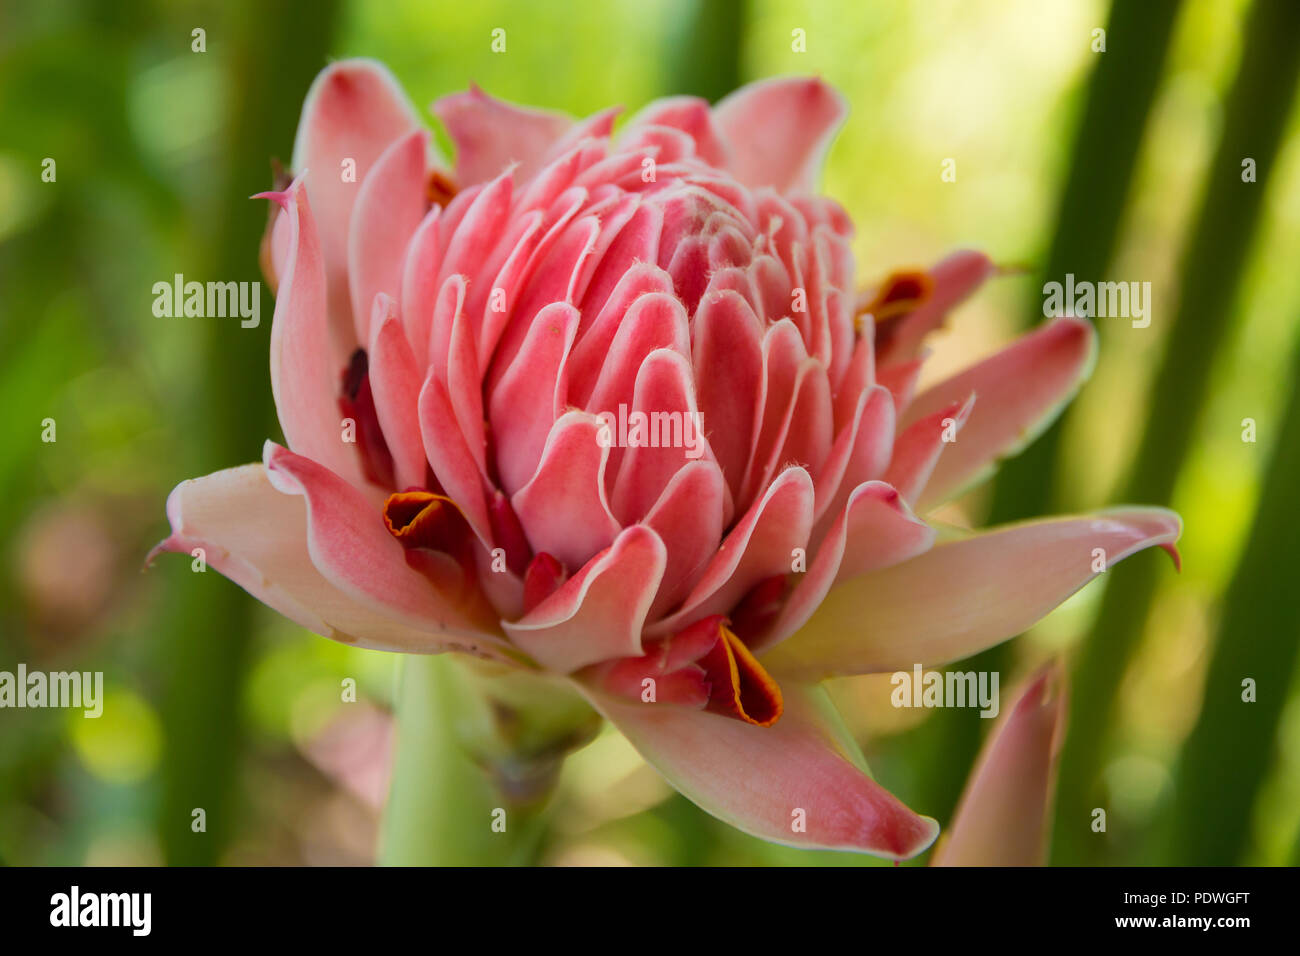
[
  {"x": 1120, "y": 91},
  {"x": 1235, "y": 740},
  {"x": 1255, "y": 114},
  {"x": 208, "y": 631},
  {"x": 706, "y": 57},
  {"x": 1106, "y": 143}
]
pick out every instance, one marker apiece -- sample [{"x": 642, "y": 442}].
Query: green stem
[{"x": 442, "y": 806}]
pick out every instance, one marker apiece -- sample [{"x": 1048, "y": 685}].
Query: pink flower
[{"x": 454, "y": 350}]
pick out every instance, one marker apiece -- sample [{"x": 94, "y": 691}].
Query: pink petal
[
  {"x": 491, "y": 134},
  {"x": 353, "y": 111},
  {"x": 728, "y": 367},
  {"x": 1020, "y": 390},
  {"x": 1002, "y": 819},
  {"x": 450, "y": 457},
  {"x": 785, "y": 362},
  {"x": 778, "y": 131},
  {"x": 654, "y": 321},
  {"x": 861, "y": 452},
  {"x": 599, "y": 612},
  {"x": 692, "y": 116},
  {"x": 421, "y": 263},
  {"x": 479, "y": 230},
  {"x": 395, "y": 382},
  {"x": 760, "y": 546},
  {"x": 530, "y": 396},
  {"x": 350, "y": 545},
  {"x": 664, "y": 387},
  {"x": 563, "y": 508},
  {"x": 963, "y": 595},
  {"x": 390, "y": 207},
  {"x": 258, "y": 537},
  {"x": 688, "y": 518},
  {"x": 875, "y": 529},
  {"x": 305, "y": 362},
  {"x": 919, "y": 448},
  {"x": 801, "y": 782},
  {"x": 595, "y": 336}
]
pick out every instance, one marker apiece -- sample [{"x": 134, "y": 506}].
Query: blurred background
[{"x": 1124, "y": 163}]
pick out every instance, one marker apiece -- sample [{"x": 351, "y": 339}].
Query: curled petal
[
  {"x": 259, "y": 538},
  {"x": 599, "y": 612}
]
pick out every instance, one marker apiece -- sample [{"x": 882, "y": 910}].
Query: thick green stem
[{"x": 442, "y": 806}]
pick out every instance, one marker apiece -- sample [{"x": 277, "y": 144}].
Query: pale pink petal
[
  {"x": 421, "y": 263},
  {"x": 1019, "y": 391},
  {"x": 692, "y": 116},
  {"x": 964, "y": 595},
  {"x": 919, "y": 448},
  {"x": 801, "y": 782},
  {"x": 491, "y": 134},
  {"x": 875, "y": 529},
  {"x": 350, "y": 545},
  {"x": 1002, "y": 818},
  {"x": 598, "y": 613},
  {"x": 778, "y": 131},
  {"x": 258, "y": 537}
]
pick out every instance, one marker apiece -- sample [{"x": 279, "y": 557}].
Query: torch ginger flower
[{"x": 450, "y": 345}]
